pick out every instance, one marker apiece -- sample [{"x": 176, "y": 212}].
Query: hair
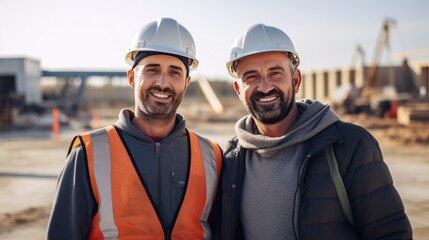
[{"x": 290, "y": 55}]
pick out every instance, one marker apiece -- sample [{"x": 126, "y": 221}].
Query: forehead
[
  {"x": 262, "y": 59},
  {"x": 162, "y": 60}
]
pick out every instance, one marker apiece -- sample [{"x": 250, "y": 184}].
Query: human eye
[
  {"x": 249, "y": 79},
  {"x": 151, "y": 70},
  {"x": 276, "y": 74},
  {"x": 176, "y": 73}
]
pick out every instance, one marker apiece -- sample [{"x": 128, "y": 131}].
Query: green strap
[{"x": 339, "y": 184}]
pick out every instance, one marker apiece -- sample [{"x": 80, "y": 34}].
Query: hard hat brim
[
  {"x": 233, "y": 73},
  {"x": 130, "y": 56}
]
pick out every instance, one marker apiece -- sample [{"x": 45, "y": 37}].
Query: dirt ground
[{"x": 30, "y": 161}]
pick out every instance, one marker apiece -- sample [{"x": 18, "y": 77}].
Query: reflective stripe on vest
[{"x": 124, "y": 208}]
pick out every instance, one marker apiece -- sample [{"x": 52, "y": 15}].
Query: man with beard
[
  {"x": 147, "y": 176},
  {"x": 276, "y": 179}
]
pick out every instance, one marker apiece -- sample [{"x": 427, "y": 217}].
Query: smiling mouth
[
  {"x": 160, "y": 95},
  {"x": 267, "y": 99}
]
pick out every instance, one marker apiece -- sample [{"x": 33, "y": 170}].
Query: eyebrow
[
  {"x": 270, "y": 69},
  {"x": 276, "y": 68},
  {"x": 152, "y": 65},
  {"x": 159, "y": 65},
  {"x": 176, "y": 67}
]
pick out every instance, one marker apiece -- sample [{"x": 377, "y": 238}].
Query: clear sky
[{"x": 95, "y": 34}]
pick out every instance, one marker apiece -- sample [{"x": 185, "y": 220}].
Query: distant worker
[
  {"x": 147, "y": 176},
  {"x": 277, "y": 182}
]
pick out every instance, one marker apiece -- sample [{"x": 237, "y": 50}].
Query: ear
[
  {"x": 297, "y": 79},
  {"x": 236, "y": 87},
  {"x": 187, "y": 82},
  {"x": 131, "y": 78}
]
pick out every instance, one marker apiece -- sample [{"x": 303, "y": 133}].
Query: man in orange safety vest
[{"x": 147, "y": 176}]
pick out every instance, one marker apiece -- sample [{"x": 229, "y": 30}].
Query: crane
[
  {"x": 382, "y": 42},
  {"x": 359, "y": 53},
  {"x": 371, "y": 87}
]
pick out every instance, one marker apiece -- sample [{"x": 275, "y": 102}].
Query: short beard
[
  {"x": 158, "y": 111},
  {"x": 273, "y": 113}
]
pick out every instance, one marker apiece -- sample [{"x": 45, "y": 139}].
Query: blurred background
[{"x": 63, "y": 72}]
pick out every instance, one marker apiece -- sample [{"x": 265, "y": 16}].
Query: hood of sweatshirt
[
  {"x": 315, "y": 117},
  {"x": 124, "y": 123}
]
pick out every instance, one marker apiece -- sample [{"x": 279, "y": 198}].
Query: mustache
[
  {"x": 258, "y": 94},
  {"x": 159, "y": 89}
]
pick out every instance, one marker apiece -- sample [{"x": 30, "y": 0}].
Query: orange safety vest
[{"x": 124, "y": 208}]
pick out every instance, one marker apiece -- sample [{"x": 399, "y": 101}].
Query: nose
[
  {"x": 264, "y": 85},
  {"x": 161, "y": 80}
]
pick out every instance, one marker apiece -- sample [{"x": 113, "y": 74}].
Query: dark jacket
[{"x": 377, "y": 208}]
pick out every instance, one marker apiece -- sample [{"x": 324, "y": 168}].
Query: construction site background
[
  {"x": 31, "y": 157},
  {"x": 41, "y": 111}
]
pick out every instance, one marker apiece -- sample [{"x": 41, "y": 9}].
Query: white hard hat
[
  {"x": 260, "y": 38},
  {"x": 164, "y": 35}
]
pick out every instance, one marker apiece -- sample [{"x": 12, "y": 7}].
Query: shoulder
[
  {"x": 85, "y": 139},
  {"x": 75, "y": 163},
  {"x": 345, "y": 127},
  {"x": 357, "y": 147},
  {"x": 353, "y": 134},
  {"x": 203, "y": 140},
  {"x": 354, "y": 146}
]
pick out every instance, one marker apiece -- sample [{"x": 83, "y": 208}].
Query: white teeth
[
  {"x": 160, "y": 95},
  {"x": 267, "y": 99}
]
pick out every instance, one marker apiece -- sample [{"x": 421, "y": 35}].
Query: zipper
[
  {"x": 158, "y": 164},
  {"x": 172, "y": 183},
  {"x": 160, "y": 203},
  {"x": 295, "y": 224},
  {"x": 236, "y": 178}
]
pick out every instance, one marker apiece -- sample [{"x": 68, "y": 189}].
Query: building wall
[
  {"x": 32, "y": 89},
  {"x": 421, "y": 71},
  {"x": 27, "y": 74},
  {"x": 321, "y": 85},
  {"x": 319, "y": 89},
  {"x": 424, "y": 81}
]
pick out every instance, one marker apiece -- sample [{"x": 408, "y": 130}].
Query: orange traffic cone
[{"x": 56, "y": 124}]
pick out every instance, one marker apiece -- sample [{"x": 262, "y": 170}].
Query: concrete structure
[
  {"x": 323, "y": 84},
  {"x": 20, "y": 76},
  {"x": 19, "y": 86},
  {"x": 421, "y": 72}
]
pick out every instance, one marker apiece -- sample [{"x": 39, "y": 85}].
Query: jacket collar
[{"x": 327, "y": 137}]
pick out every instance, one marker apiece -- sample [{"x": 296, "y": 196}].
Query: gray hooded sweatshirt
[
  {"x": 74, "y": 204},
  {"x": 272, "y": 168}
]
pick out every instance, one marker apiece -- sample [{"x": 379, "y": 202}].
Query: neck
[
  {"x": 154, "y": 127},
  {"x": 280, "y": 128}
]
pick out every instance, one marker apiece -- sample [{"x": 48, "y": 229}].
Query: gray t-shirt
[{"x": 268, "y": 195}]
